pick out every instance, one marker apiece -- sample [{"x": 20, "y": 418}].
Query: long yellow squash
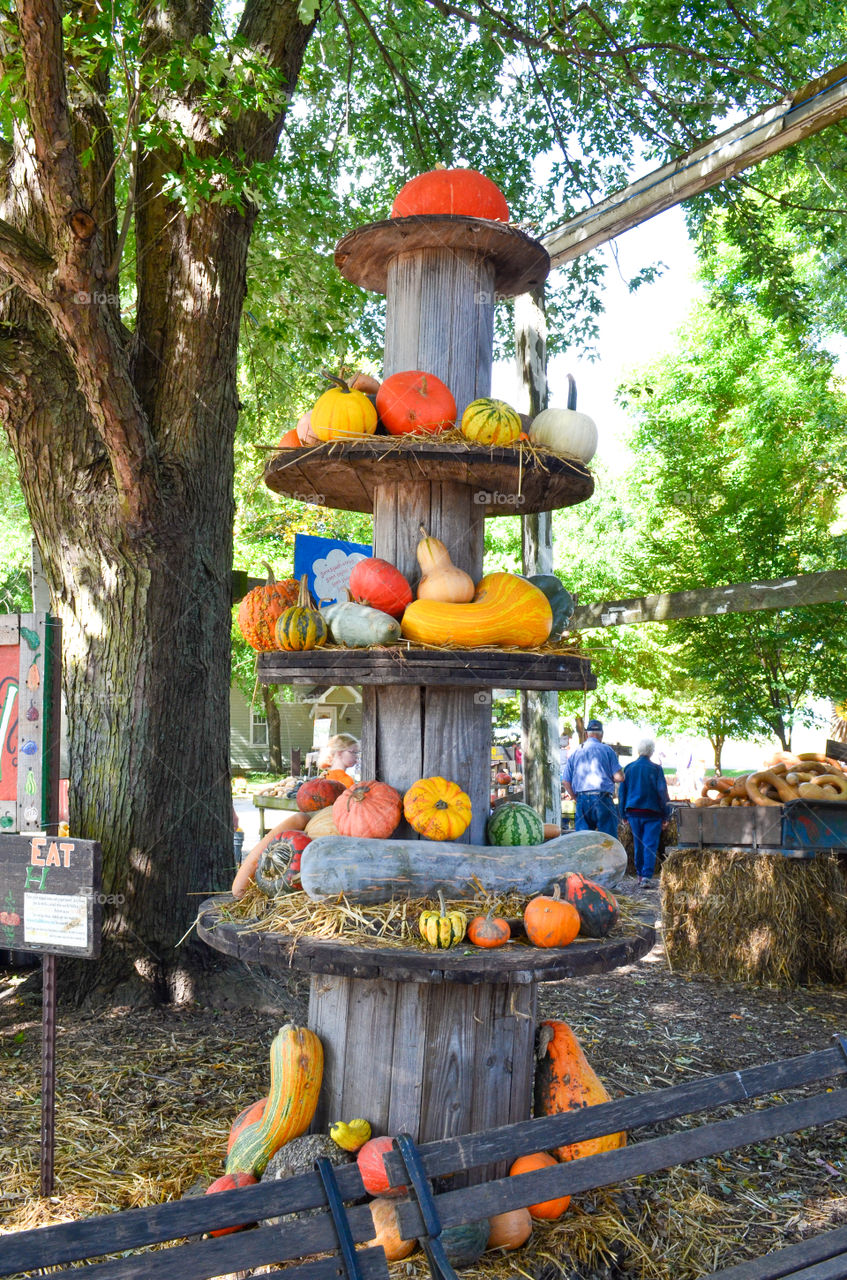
[
  {"x": 506, "y": 610},
  {"x": 296, "y": 1073}
]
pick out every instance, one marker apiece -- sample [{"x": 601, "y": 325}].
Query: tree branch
[
  {"x": 24, "y": 259},
  {"x": 273, "y": 30}
]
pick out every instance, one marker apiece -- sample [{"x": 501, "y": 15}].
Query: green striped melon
[
  {"x": 490, "y": 422},
  {"x": 514, "y": 823}
]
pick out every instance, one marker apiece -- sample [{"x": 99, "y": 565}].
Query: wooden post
[
  {"x": 440, "y": 317},
  {"x": 539, "y": 709}
]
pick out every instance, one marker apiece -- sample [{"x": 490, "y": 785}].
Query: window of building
[{"x": 258, "y": 729}]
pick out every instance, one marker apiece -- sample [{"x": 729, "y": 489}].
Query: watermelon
[{"x": 514, "y": 823}]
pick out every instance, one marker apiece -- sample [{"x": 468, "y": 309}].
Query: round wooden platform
[
  {"x": 505, "y": 481},
  {"x": 444, "y": 668},
  {"x": 520, "y": 262},
  {"x": 514, "y": 964}
]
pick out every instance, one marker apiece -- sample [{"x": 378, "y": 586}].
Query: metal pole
[{"x": 48, "y": 1071}]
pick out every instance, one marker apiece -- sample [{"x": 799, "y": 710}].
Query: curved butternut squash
[
  {"x": 506, "y": 610},
  {"x": 296, "y": 1075},
  {"x": 565, "y": 1081}
]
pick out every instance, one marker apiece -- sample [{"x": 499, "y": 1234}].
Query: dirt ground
[{"x": 145, "y": 1099}]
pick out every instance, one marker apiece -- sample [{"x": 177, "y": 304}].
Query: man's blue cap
[{"x": 594, "y": 726}]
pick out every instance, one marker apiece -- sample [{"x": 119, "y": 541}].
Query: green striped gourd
[
  {"x": 296, "y": 1074},
  {"x": 301, "y": 627},
  {"x": 490, "y": 422},
  {"x": 514, "y": 823}
]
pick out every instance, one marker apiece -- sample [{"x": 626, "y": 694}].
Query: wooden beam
[
  {"x": 738, "y": 597},
  {"x": 801, "y": 114}
]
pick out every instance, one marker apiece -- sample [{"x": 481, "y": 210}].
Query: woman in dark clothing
[{"x": 643, "y": 800}]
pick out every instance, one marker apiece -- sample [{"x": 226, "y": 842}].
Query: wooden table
[
  {"x": 271, "y": 802},
  {"x": 431, "y": 1043}
]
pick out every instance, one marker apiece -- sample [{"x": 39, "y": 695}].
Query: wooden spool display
[{"x": 430, "y": 1044}]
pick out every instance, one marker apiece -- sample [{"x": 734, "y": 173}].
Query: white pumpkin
[{"x": 566, "y": 431}]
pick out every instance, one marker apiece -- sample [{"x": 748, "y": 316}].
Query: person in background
[
  {"x": 643, "y": 800},
  {"x": 589, "y": 776},
  {"x": 341, "y": 752}
]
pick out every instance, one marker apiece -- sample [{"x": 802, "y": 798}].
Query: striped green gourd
[
  {"x": 301, "y": 627},
  {"x": 514, "y": 823},
  {"x": 296, "y": 1075},
  {"x": 490, "y": 422}
]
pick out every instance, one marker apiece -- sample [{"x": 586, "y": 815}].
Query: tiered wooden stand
[{"x": 433, "y": 1044}]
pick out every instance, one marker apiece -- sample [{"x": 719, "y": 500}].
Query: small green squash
[
  {"x": 561, "y": 600},
  {"x": 464, "y": 1245}
]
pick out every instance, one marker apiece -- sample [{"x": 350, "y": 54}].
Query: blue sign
[{"x": 327, "y": 563}]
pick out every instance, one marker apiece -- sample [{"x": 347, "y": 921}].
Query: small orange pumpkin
[
  {"x": 550, "y": 922},
  {"x": 341, "y": 775},
  {"x": 384, "y": 1214},
  {"x": 291, "y": 440},
  {"x": 509, "y": 1230},
  {"x": 489, "y": 931},
  {"x": 547, "y": 1209}
]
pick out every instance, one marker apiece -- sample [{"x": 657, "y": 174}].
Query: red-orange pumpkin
[
  {"x": 229, "y": 1182},
  {"x": 370, "y": 810},
  {"x": 458, "y": 191},
  {"x": 548, "y": 1209},
  {"x": 260, "y": 608},
  {"x": 317, "y": 793},
  {"x": 248, "y": 1116},
  {"x": 379, "y": 584},
  {"x": 550, "y": 922},
  {"x": 291, "y": 440},
  {"x": 489, "y": 931},
  {"x": 371, "y": 1164},
  {"x": 415, "y": 401}
]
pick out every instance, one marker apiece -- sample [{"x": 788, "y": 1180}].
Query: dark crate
[
  {"x": 758, "y": 827},
  {"x": 808, "y": 826}
]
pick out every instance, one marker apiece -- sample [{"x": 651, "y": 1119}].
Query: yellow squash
[
  {"x": 506, "y": 610},
  {"x": 352, "y": 1135}
]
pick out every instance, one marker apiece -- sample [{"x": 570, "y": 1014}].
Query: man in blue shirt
[
  {"x": 589, "y": 777},
  {"x": 643, "y": 800}
]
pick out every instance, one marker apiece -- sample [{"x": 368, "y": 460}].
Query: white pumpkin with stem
[
  {"x": 566, "y": 431},
  {"x": 440, "y": 578}
]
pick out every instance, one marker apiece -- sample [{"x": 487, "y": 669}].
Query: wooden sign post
[{"x": 50, "y": 903}]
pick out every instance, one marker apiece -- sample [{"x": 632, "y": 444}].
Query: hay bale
[
  {"x": 667, "y": 841},
  {"x": 756, "y": 917}
]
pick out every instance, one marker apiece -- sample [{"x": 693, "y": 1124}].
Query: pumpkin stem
[
  {"x": 440, "y": 804},
  {"x": 557, "y": 891},
  {"x": 304, "y": 599},
  {"x": 336, "y": 382},
  {"x": 441, "y": 903},
  {"x": 271, "y": 575}
]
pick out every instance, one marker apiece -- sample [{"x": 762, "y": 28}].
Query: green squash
[
  {"x": 561, "y": 600},
  {"x": 358, "y": 625},
  {"x": 464, "y": 1245}
]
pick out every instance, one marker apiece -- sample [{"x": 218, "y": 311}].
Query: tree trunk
[
  {"x": 717, "y": 740},
  {"x": 146, "y": 656},
  {"x": 125, "y": 448},
  {"x": 274, "y": 722}
]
